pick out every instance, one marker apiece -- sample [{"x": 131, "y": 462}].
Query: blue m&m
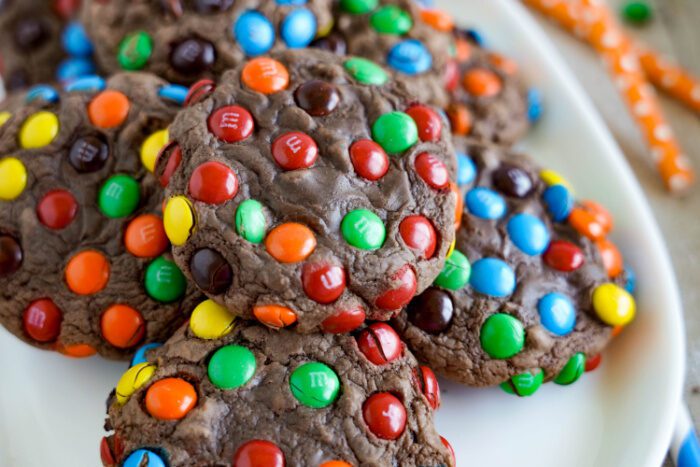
[
  {"x": 528, "y": 233},
  {"x": 298, "y": 28},
  {"x": 140, "y": 354},
  {"x": 291, "y": 2},
  {"x": 254, "y": 33},
  {"x": 485, "y": 203},
  {"x": 173, "y": 92},
  {"x": 466, "y": 169},
  {"x": 631, "y": 284},
  {"x": 534, "y": 105},
  {"x": 42, "y": 92},
  {"x": 142, "y": 457},
  {"x": 557, "y": 313},
  {"x": 75, "y": 41},
  {"x": 410, "y": 56},
  {"x": 74, "y": 67},
  {"x": 92, "y": 83},
  {"x": 493, "y": 277},
  {"x": 559, "y": 202}
]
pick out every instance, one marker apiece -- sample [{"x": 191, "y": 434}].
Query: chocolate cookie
[
  {"x": 309, "y": 189},
  {"x": 185, "y": 40},
  {"x": 488, "y": 99},
  {"x": 227, "y": 392},
  {"x": 413, "y": 42},
  {"x": 84, "y": 259},
  {"x": 532, "y": 291},
  {"x": 39, "y": 43}
]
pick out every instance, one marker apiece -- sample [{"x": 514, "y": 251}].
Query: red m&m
[
  {"x": 369, "y": 159},
  {"x": 563, "y": 256},
  {"x": 199, "y": 91},
  {"x": 344, "y": 321},
  {"x": 231, "y": 124},
  {"x": 380, "y": 343},
  {"x": 428, "y": 122},
  {"x": 171, "y": 156},
  {"x": 57, "y": 209},
  {"x": 419, "y": 234},
  {"x": 428, "y": 385},
  {"x": 323, "y": 283},
  {"x": 384, "y": 415},
  {"x": 402, "y": 291},
  {"x": 294, "y": 150},
  {"x": 213, "y": 183},
  {"x": 432, "y": 170},
  {"x": 42, "y": 320},
  {"x": 258, "y": 453}
]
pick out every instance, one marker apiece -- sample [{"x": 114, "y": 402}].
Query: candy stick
[
  {"x": 592, "y": 21},
  {"x": 670, "y": 77}
]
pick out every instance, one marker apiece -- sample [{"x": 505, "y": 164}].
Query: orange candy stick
[
  {"x": 673, "y": 79},
  {"x": 593, "y": 21}
]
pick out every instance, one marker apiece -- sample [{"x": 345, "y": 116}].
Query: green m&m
[
  {"x": 164, "y": 281},
  {"x": 358, "y": 7},
  {"x": 391, "y": 19},
  {"x": 502, "y": 336},
  {"x": 363, "y": 229},
  {"x": 315, "y": 385},
  {"x": 456, "y": 272},
  {"x": 231, "y": 366},
  {"x": 119, "y": 196},
  {"x": 524, "y": 384},
  {"x": 572, "y": 371},
  {"x": 395, "y": 132},
  {"x": 250, "y": 221},
  {"x": 366, "y": 71},
  {"x": 135, "y": 50}
]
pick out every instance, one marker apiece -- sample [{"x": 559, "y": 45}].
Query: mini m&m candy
[
  {"x": 335, "y": 196},
  {"x": 91, "y": 274},
  {"x": 536, "y": 292},
  {"x": 332, "y": 390}
]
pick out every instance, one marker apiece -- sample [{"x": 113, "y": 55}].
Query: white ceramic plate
[{"x": 51, "y": 408}]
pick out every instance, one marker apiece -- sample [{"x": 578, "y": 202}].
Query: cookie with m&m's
[
  {"x": 488, "y": 98},
  {"x": 40, "y": 43},
  {"x": 186, "y": 40},
  {"x": 84, "y": 260},
  {"x": 309, "y": 190},
  {"x": 533, "y": 290},
  {"x": 223, "y": 391},
  {"x": 412, "y": 42}
]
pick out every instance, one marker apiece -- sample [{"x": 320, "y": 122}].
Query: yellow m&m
[
  {"x": 551, "y": 177},
  {"x": 210, "y": 320},
  {"x": 13, "y": 178},
  {"x": 179, "y": 220},
  {"x": 38, "y": 130},
  {"x": 613, "y": 304},
  {"x": 4, "y": 117},
  {"x": 132, "y": 380},
  {"x": 151, "y": 147},
  {"x": 452, "y": 248}
]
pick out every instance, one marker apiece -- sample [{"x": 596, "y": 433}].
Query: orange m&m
[
  {"x": 87, "y": 272},
  {"x": 481, "y": 82},
  {"x": 265, "y": 75},
  {"x": 460, "y": 119},
  {"x": 586, "y": 223},
  {"x": 335, "y": 464},
  {"x": 145, "y": 236},
  {"x": 290, "y": 242},
  {"x": 77, "y": 350},
  {"x": 612, "y": 258},
  {"x": 122, "y": 326},
  {"x": 108, "y": 109},
  {"x": 170, "y": 399},
  {"x": 438, "y": 19},
  {"x": 275, "y": 316}
]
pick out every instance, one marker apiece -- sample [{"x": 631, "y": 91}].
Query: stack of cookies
[{"x": 280, "y": 212}]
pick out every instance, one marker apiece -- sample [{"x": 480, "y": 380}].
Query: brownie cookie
[
  {"x": 532, "y": 291},
  {"x": 413, "y": 42},
  {"x": 309, "y": 189},
  {"x": 488, "y": 99},
  {"x": 185, "y": 40},
  {"x": 39, "y": 43},
  {"x": 84, "y": 259},
  {"x": 229, "y": 392}
]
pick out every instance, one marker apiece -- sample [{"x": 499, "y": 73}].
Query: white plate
[{"x": 51, "y": 408}]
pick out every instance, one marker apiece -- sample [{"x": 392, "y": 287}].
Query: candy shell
[
  {"x": 466, "y": 169},
  {"x": 314, "y": 385},
  {"x": 122, "y": 326},
  {"x": 485, "y": 203},
  {"x": 524, "y": 384},
  {"x": 391, "y": 19},
  {"x": 231, "y": 366},
  {"x": 572, "y": 371},
  {"x": 558, "y": 201},
  {"x": 13, "y": 178},
  {"x": 258, "y": 453},
  {"x": 493, "y": 277},
  {"x": 265, "y": 75},
  {"x": 363, "y": 229},
  {"x": 410, "y": 56},
  {"x": 170, "y": 399},
  {"x": 210, "y": 271},
  {"x": 151, "y": 148},
  {"x": 502, "y": 336},
  {"x": 250, "y": 221},
  {"x": 209, "y": 320},
  {"x": 179, "y": 220},
  {"x": 213, "y": 183},
  {"x": 366, "y": 71},
  {"x": 528, "y": 233},
  {"x": 456, "y": 272},
  {"x": 274, "y": 316},
  {"x": 38, "y": 130},
  {"x": 108, "y": 109},
  {"x": 395, "y": 132},
  {"x": 557, "y": 313},
  {"x": 142, "y": 457},
  {"x": 613, "y": 305},
  {"x": 298, "y": 29},
  {"x": 135, "y": 50},
  {"x": 145, "y": 236},
  {"x": 140, "y": 354},
  {"x": 119, "y": 196},
  {"x": 42, "y": 320},
  {"x": 432, "y": 311},
  {"x": 87, "y": 272},
  {"x": 254, "y": 33},
  {"x": 164, "y": 282},
  {"x": 384, "y": 415},
  {"x": 344, "y": 321},
  {"x": 290, "y": 243},
  {"x": 379, "y": 343},
  {"x": 132, "y": 380}
]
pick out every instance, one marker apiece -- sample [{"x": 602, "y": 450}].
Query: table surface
[{"x": 673, "y": 31}]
